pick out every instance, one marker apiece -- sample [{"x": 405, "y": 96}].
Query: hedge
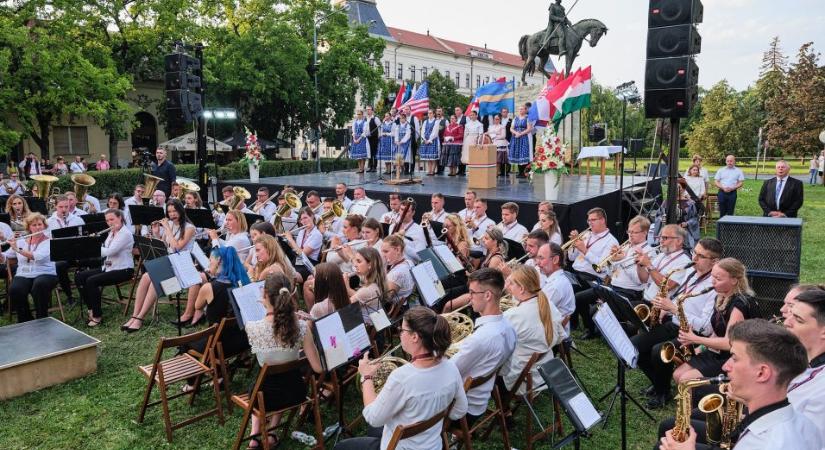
[{"x": 124, "y": 180}]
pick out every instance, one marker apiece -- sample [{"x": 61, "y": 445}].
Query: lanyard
[
  {"x": 305, "y": 235},
  {"x": 507, "y": 228},
  {"x": 687, "y": 289},
  {"x": 590, "y": 244},
  {"x": 659, "y": 267}
]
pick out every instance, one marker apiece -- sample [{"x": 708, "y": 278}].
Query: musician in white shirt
[
  {"x": 135, "y": 199},
  {"x": 341, "y": 195},
  {"x": 437, "y": 214},
  {"x": 333, "y": 226},
  {"x": 314, "y": 202},
  {"x": 509, "y": 225},
  {"x": 91, "y": 204},
  {"x": 412, "y": 232},
  {"x": 118, "y": 265},
  {"x": 359, "y": 193},
  {"x": 62, "y": 219},
  {"x": 549, "y": 223},
  {"x": 538, "y": 326},
  {"x": 263, "y": 206},
  {"x": 391, "y": 216},
  {"x": 765, "y": 357},
  {"x": 310, "y": 240},
  {"x": 592, "y": 247},
  {"x": 556, "y": 286},
  {"x": 341, "y": 252},
  {"x": 73, "y": 209},
  {"x": 12, "y": 186},
  {"x": 399, "y": 274},
  {"x": 469, "y": 210},
  {"x": 671, "y": 260},
  {"x": 288, "y": 219},
  {"x": 492, "y": 342},
  {"x": 36, "y": 273},
  {"x": 479, "y": 223},
  {"x": 543, "y": 208}
]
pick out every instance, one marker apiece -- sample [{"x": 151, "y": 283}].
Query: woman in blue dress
[
  {"x": 360, "y": 147},
  {"x": 402, "y": 136},
  {"x": 520, "y": 144},
  {"x": 385, "y": 143},
  {"x": 430, "y": 143}
]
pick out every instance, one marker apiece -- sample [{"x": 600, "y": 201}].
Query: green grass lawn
[{"x": 100, "y": 410}]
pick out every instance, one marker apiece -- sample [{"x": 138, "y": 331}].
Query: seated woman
[
  {"x": 18, "y": 209},
  {"x": 179, "y": 235},
  {"x": 373, "y": 233},
  {"x": 277, "y": 339},
  {"x": 192, "y": 200},
  {"x": 458, "y": 235},
  {"x": 236, "y": 237},
  {"x": 118, "y": 266},
  {"x": 549, "y": 224},
  {"x": 310, "y": 240},
  {"x": 733, "y": 304},
  {"x": 255, "y": 231},
  {"x": 36, "y": 274},
  {"x": 537, "y": 321},
  {"x": 329, "y": 286},
  {"x": 339, "y": 253},
  {"x": 399, "y": 276},
  {"x": 496, "y": 248},
  {"x": 370, "y": 270},
  {"x": 408, "y": 395}
]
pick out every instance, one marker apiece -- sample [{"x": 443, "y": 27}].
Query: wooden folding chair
[
  {"x": 407, "y": 431},
  {"x": 182, "y": 367},
  {"x": 253, "y": 403},
  {"x": 465, "y": 433},
  {"x": 221, "y": 357},
  {"x": 59, "y": 307}
]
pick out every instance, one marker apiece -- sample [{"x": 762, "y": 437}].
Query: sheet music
[
  {"x": 185, "y": 269},
  {"x": 615, "y": 335},
  {"x": 584, "y": 410},
  {"x": 248, "y": 299},
  {"x": 358, "y": 338},
  {"x": 428, "y": 283},
  {"x": 200, "y": 257},
  {"x": 170, "y": 286},
  {"x": 449, "y": 260},
  {"x": 334, "y": 340}
]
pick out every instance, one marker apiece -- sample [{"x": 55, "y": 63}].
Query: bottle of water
[{"x": 304, "y": 438}]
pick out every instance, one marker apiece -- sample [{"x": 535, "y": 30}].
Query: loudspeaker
[
  {"x": 669, "y": 102},
  {"x": 340, "y": 137},
  {"x": 182, "y": 80},
  {"x": 677, "y": 40},
  {"x": 663, "y": 13},
  {"x": 769, "y": 291},
  {"x": 179, "y": 62},
  {"x": 766, "y": 245},
  {"x": 637, "y": 145},
  {"x": 596, "y": 132},
  {"x": 671, "y": 73}
]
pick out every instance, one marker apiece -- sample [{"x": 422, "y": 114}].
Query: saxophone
[
  {"x": 723, "y": 415},
  {"x": 684, "y": 405},
  {"x": 663, "y": 290},
  {"x": 669, "y": 352}
]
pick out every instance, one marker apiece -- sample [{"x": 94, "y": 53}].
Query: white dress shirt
[
  {"x": 267, "y": 211},
  {"x": 598, "y": 246},
  {"x": 54, "y": 222},
  {"x": 438, "y": 217},
  {"x": 40, "y": 264},
  {"x": 465, "y": 214},
  {"x": 12, "y": 187},
  {"x": 514, "y": 231},
  {"x": 664, "y": 263},
  {"x": 697, "y": 309},
  {"x": 5, "y": 231},
  {"x": 117, "y": 249},
  {"x": 390, "y": 217},
  {"x": 559, "y": 291},
  {"x": 313, "y": 240},
  {"x": 346, "y": 202},
  {"x": 414, "y": 241},
  {"x": 482, "y": 224},
  {"x": 240, "y": 241},
  {"x": 400, "y": 274},
  {"x": 411, "y": 395},
  {"x": 807, "y": 394},
  {"x": 526, "y": 321},
  {"x": 93, "y": 201},
  {"x": 728, "y": 177},
  {"x": 76, "y": 167},
  {"x": 77, "y": 212},
  {"x": 624, "y": 273},
  {"x": 482, "y": 352},
  {"x": 783, "y": 428}
]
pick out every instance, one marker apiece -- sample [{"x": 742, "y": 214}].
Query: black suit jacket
[{"x": 789, "y": 202}]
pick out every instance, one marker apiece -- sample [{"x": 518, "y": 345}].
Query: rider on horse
[{"x": 557, "y": 26}]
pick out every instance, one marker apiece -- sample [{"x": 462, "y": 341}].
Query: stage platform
[
  {"x": 577, "y": 194},
  {"x": 42, "y": 353}
]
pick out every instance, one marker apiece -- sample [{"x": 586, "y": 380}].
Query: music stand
[
  {"x": 386, "y": 228},
  {"x": 74, "y": 248},
  {"x": 66, "y": 232},
  {"x": 252, "y": 218},
  {"x": 37, "y": 204},
  {"x": 145, "y": 215},
  {"x": 620, "y": 305},
  {"x": 96, "y": 217},
  {"x": 576, "y": 404},
  {"x": 201, "y": 218},
  {"x": 436, "y": 227},
  {"x": 514, "y": 249},
  {"x": 288, "y": 251},
  {"x": 5, "y": 218},
  {"x": 94, "y": 223}
]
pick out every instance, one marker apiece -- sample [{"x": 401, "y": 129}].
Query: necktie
[{"x": 778, "y": 191}]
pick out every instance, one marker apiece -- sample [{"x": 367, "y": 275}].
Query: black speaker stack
[
  {"x": 671, "y": 74},
  {"x": 771, "y": 250},
  {"x": 596, "y": 133},
  {"x": 183, "y": 87}
]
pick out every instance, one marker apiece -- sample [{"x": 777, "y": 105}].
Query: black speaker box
[
  {"x": 766, "y": 245},
  {"x": 668, "y": 103},
  {"x": 769, "y": 291},
  {"x": 671, "y": 73},
  {"x": 596, "y": 132},
  {"x": 637, "y": 145},
  {"x": 663, "y": 13},
  {"x": 678, "y": 40},
  {"x": 340, "y": 138}
]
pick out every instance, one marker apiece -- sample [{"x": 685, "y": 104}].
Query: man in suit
[
  {"x": 461, "y": 119},
  {"x": 374, "y": 123},
  {"x": 781, "y": 196},
  {"x": 442, "y": 125}
]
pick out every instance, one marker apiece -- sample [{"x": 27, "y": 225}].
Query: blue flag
[
  {"x": 492, "y": 97},
  {"x": 407, "y": 93}
]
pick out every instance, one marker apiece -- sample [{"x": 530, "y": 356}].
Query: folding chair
[
  {"x": 407, "y": 431},
  {"x": 221, "y": 357},
  {"x": 182, "y": 367},
  {"x": 253, "y": 403},
  {"x": 465, "y": 432}
]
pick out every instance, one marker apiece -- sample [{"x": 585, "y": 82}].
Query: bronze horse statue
[{"x": 530, "y": 46}]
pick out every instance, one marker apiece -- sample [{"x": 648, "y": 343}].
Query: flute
[{"x": 346, "y": 244}]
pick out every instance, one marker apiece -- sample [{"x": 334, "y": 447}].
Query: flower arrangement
[
  {"x": 253, "y": 155},
  {"x": 549, "y": 155}
]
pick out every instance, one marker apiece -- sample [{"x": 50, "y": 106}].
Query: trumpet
[
  {"x": 573, "y": 241},
  {"x": 513, "y": 262},
  {"x": 346, "y": 244},
  {"x": 598, "y": 268}
]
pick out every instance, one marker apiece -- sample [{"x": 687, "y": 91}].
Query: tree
[
  {"x": 8, "y": 136},
  {"x": 443, "y": 93},
  {"x": 797, "y": 115},
  {"x": 605, "y": 107},
  {"x": 715, "y": 133},
  {"x": 58, "y": 75}
]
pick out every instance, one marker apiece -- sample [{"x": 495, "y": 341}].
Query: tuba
[
  {"x": 151, "y": 183},
  {"x": 82, "y": 183},
  {"x": 186, "y": 185},
  {"x": 723, "y": 415},
  {"x": 44, "y": 185},
  {"x": 239, "y": 194},
  {"x": 291, "y": 201},
  {"x": 336, "y": 211}
]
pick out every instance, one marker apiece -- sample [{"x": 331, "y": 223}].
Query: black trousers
[
  {"x": 373, "y": 152},
  {"x": 372, "y": 441},
  {"x": 727, "y": 203},
  {"x": 62, "y": 268},
  {"x": 649, "y": 343},
  {"x": 40, "y": 289},
  {"x": 586, "y": 300},
  {"x": 91, "y": 282}
]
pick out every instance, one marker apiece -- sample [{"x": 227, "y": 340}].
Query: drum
[{"x": 368, "y": 208}]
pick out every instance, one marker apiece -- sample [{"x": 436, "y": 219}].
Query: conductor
[{"x": 165, "y": 170}]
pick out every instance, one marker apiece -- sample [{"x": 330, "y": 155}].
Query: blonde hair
[
  {"x": 459, "y": 227},
  {"x": 240, "y": 218},
  {"x": 10, "y": 208},
  {"x": 528, "y": 278},
  {"x": 35, "y": 217},
  {"x": 276, "y": 256},
  {"x": 735, "y": 269}
]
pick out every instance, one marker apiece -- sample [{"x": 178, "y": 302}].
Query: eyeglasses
[
  {"x": 665, "y": 238},
  {"x": 407, "y": 330},
  {"x": 472, "y": 292},
  {"x": 701, "y": 256}
]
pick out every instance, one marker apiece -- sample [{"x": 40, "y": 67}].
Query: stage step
[{"x": 640, "y": 200}]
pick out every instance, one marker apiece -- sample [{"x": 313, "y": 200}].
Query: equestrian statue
[{"x": 559, "y": 38}]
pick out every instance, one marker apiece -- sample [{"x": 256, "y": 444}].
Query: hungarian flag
[
  {"x": 574, "y": 96},
  {"x": 542, "y": 110}
]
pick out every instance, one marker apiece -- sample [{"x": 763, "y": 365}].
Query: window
[
  {"x": 424, "y": 72},
  {"x": 458, "y": 79},
  {"x": 478, "y": 80},
  {"x": 386, "y": 69},
  {"x": 486, "y": 80},
  {"x": 467, "y": 81},
  {"x": 400, "y": 73},
  {"x": 412, "y": 73},
  {"x": 447, "y": 74},
  {"x": 71, "y": 140}
]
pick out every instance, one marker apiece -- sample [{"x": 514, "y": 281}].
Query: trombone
[{"x": 571, "y": 242}]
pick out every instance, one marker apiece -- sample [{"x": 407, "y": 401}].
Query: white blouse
[
  {"x": 118, "y": 250},
  {"x": 41, "y": 264},
  {"x": 525, "y": 319},
  {"x": 240, "y": 241},
  {"x": 261, "y": 334}
]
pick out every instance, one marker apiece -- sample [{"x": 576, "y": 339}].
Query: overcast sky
[{"x": 734, "y": 33}]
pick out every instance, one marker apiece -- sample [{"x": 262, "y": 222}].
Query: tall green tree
[
  {"x": 715, "y": 133},
  {"x": 8, "y": 136},
  {"x": 796, "y": 116},
  {"x": 443, "y": 93}
]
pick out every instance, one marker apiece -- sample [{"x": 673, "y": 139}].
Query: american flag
[{"x": 419, "y": 103}]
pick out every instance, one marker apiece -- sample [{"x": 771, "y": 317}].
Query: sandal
[
  {"x": 255, "y": 440},
  {"x": 125, "y": 327},
  {"x": 94, "y": 322},
  {"x": 132, "y": 330}
]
